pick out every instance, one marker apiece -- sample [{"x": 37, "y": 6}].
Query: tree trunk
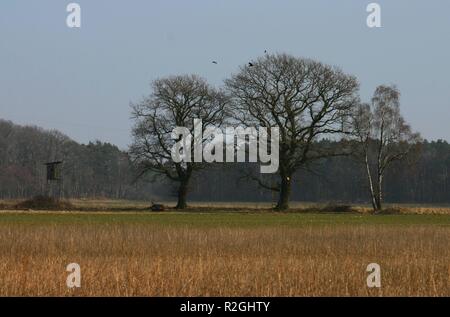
[
  {"x": 380, "y": 192},
  {"x": 182, "y": 195},
  {"x": 373, "y": 195},
  {"x": 379, "y": 171},
  {"x": 285, "y": 193}
]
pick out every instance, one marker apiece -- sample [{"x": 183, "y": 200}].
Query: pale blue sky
[{"x": 80, "y": 81}]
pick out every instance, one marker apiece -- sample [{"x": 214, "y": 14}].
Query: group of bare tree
[{"x": 306, "y": 100}]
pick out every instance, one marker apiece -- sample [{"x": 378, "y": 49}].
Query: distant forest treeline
[
  {"x": 93, "y": 170},
  {"x": 103, "y": 170}
]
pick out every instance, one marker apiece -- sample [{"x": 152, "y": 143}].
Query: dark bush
[
  {"x": 44, "y": 203},
  {"x": 157, "y": 207},
  {"x": 337, "y": 208}
]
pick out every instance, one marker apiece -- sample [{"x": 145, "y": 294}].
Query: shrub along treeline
[{"x": 103, "y": 170}]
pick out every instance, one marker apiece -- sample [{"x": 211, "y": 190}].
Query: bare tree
[
  {"x": 175, "y": 102},
  {"x": 383, "y": 137},
  {"x": 305, "y": 99}
]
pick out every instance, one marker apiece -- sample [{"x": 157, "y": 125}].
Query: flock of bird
[{"x": 250, "y": 64}]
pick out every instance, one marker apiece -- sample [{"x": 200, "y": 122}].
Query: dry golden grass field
[{"x": 223, "y": 253}]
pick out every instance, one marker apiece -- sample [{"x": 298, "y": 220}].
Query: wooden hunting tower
[
  {"x": 54, "y": 179},
  {"x": 53, "y": 171}
]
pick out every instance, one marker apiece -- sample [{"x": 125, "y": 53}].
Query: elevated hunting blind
[
  {"x": 53, "y": 171},
  {"x": 54, "y": 179}
]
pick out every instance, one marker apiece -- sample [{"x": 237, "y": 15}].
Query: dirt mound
[{"x": 44, "y": 203}]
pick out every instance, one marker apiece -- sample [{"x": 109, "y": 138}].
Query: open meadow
[{"x": 228, "y": 253}]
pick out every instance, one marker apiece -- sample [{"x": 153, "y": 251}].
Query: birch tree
[{"x": 383, "y": 137}]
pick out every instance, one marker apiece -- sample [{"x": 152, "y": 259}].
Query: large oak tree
[
  {"x": 174, "y": 102},
  {"x": 305, "y": 99}
]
